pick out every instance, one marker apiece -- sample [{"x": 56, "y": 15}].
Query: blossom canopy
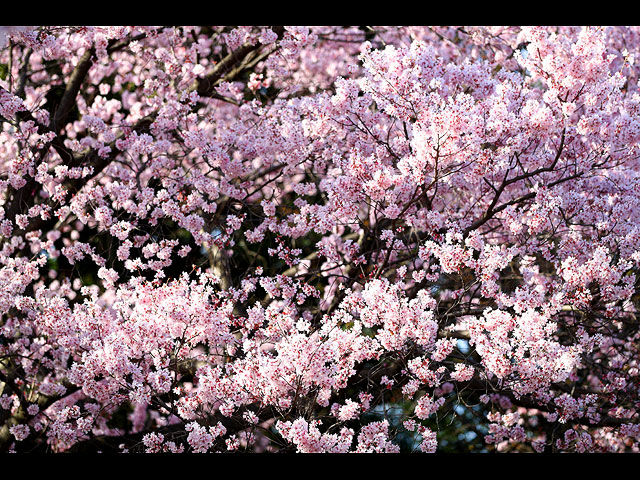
[{"x": 319, "y": 239}]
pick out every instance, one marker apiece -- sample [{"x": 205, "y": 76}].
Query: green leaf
[{"x": 4, "y": 71}]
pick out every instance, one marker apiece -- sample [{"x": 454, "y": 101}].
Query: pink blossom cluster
[{"x": 319, "y": 239}]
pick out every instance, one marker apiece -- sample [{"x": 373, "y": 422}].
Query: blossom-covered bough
[{"x": 319, "y": 239}]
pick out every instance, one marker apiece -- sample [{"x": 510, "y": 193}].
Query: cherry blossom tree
[{"x": 319, "y": 239}]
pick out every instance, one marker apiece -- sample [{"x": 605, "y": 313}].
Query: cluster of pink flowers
[{"x": 319, "y": 239}]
